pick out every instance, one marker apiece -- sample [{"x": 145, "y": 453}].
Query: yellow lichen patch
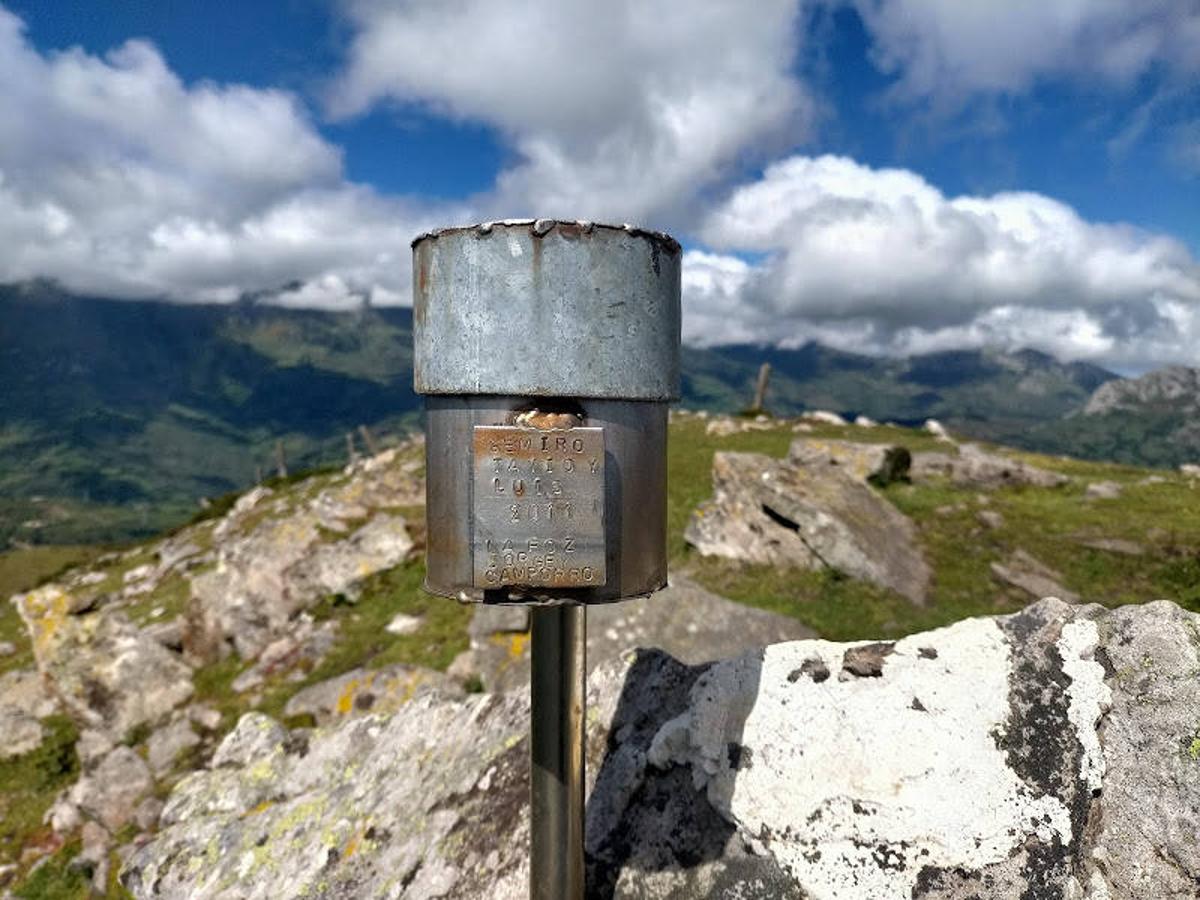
[
  {"x": 261, "y": 770},
  {"x": 258, "y": 810},
  {"x": 518, "y": 644},
  {"x": 345, "y": 700},
  {"x": 354, "y": 842},
  {"x": 45, "y": 610}
]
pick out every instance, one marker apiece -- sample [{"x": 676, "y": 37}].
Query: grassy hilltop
[{"x": 1156, "y": 516}]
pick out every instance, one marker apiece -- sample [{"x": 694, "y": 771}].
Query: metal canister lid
[{"x": 547, "y": 308}]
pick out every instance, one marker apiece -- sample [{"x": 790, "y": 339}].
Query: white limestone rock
[{"x": 1052, "y": 753}]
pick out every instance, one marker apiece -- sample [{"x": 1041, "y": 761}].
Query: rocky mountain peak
[{"x": 1177, "y": 387}]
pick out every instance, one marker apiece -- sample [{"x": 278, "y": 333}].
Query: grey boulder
[
  {"x": 690, "y": 623},
  {"x": 776, "y": 512},
  {"x": 1052, "y": 753}
]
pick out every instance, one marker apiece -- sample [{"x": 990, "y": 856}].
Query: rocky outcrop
[
  {"x": 1176, "y": 388},
  {"x": 108, "y": 674},
  {"x": 362, "y": 691},
  {"x": 279, "y": 555},
  {"x": 775, "y": 512},
  {"x": 110, "y": 793},
  {"x": 1053, "y": 753},
  {"x": 1026, "y": 573},
  {"x": 878, "y": 464},
  {"x": 283, "y": 566},
  {"x": 24, "y": 701},
  {"x": 975, "y": 467},
  {"x": 691, "y": 624}
]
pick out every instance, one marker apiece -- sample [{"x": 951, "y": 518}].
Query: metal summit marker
[{"x": 547, "y": 352}]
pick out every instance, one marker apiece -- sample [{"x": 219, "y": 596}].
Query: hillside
[
  {"x": 314, "y": 586},
  {"x": 1151, "y": 420},
  {"x": 117, "y": 418}
]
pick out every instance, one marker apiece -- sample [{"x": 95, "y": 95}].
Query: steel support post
[{"x": 557, "y": 691}]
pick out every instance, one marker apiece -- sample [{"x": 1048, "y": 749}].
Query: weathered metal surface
[
  {"x": 538, "y": 509},
  {"x": 634, "y": 492},
  {"x": 558, "y": 691},
  {"x": 547, "y": 309}
]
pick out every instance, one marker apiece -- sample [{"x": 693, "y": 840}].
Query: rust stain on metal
[
  {"x": 540, "y": 227},
  {"x": 420, "y": 295},
  {"x": 547, "y": 421}
]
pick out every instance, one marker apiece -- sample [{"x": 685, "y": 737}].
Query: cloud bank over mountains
[
  {"x": 118, "y": 178},
  {"x": 881, "y": 261}
]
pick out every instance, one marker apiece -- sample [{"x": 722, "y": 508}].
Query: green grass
[
  {"x": 1163, "y": 518},
  {"x": 29, "y": 783},
  {"x": 362, "y": 640},
  {"x": 26, "y": 567},
  {"x": 23, "y": 569}
]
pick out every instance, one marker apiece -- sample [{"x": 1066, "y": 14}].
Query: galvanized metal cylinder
[{"x": 569, "y": 319}]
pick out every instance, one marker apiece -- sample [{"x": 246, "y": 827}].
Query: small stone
[
  {"x": 139, "y": 573},
  {"x": 19, "y": 732},
  {"x": 63, "y": 816},
  {"x": 989, "y": 518},
  {"x": 825, "y": 417},
  {"x": 1103, "y": 490},
  {"x": 1022, "y": 570},
  {"x": 25, "y": 689},
  {"x": 1115, "y": 545},
  {"x": 403, "y": 624},
  {"x": 111, "y": 792},
  {"x": 975, "y": 467},
  {"x": 147, "y": 814},
  {"x": 165, "y": 745},
  {"x": 866, "y": 660},
  {"x": 95, "y": 841},
  {"x": 205, "y": 716},
  {"x": 7, "y": 648},
  {"x": 937, "y": 429},
  {"x": 169, "y": 633},
  {"x": 93, "y": 746},
  {"x": 463, "y": 668}
]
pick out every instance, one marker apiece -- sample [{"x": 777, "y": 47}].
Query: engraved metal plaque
[{"x": 538, "y": 507}]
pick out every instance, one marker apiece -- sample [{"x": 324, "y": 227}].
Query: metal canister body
[{"x": 567, "y": 335}]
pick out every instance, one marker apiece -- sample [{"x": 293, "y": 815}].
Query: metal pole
[{"x": 557, "y": 684}]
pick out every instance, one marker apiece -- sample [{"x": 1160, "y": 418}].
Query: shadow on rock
[{"x": 654, "y": 828}]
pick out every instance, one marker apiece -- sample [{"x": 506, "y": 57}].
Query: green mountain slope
[{"x": 116, "y": 417}]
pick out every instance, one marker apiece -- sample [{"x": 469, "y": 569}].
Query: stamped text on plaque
[{"x": 538, "y": 507}]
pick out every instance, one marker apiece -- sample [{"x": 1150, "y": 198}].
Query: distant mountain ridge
[
  {"x": 1174, "y": 389},
  {"x": 1151, "y": 420},
  {"x": 117, "y": 417}
]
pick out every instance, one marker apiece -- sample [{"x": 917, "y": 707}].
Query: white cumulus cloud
[
  {"x": 620, "y": 110},
  {"x": 951, "y": 48},
  {"x": 879, "y": 260},
  {"x": 117, "y": 178}
]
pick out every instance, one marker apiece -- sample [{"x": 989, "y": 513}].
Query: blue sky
[{"x": 884, "y": 175}]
